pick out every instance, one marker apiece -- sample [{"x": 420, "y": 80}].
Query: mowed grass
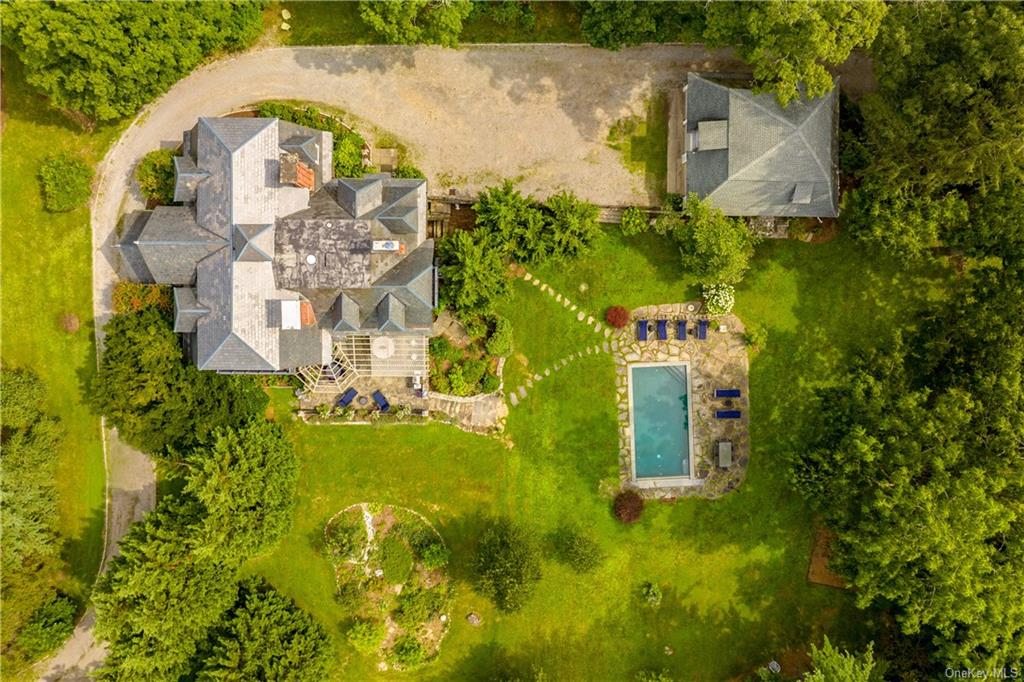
[
  {"x": 733, "y": 571},
  {"x": 338, "y": 23},
  {"x": 47, "y": 273}
]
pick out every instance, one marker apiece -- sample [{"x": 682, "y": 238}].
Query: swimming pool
[{"x": 660, "y": 413}]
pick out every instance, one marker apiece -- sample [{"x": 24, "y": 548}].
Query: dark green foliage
[
  {"x": 266, "y": 636},
  {"x": 408, "y": 652},
  {"x": 790, "y": 44},
  {"x": 108, "y": 59},
  {"x": 343, "y": 541},
  {"x": 430, "y": 549},
  {"x": 48, "y": 627},
  {"x": 572, "y": 225},
  {"x": 441, "y": 349},
  {"x": 405, "y": 170},
  {"x": 155, "y": 175},
  {"x": 350, "y": 595},
  {"x": 411, "y": 22},
  {"x": 66, "y": 181},
  {"x": 348, "y": 145},
  {"x": 500, "y": 341},
  {"x": 507, "y": 564},
  {"x": 578, "y": 549},
  {"x": 28, "y": 514},
  {"x": 155, "y": 399},
  {"x": 511, "y": 223},
  {"x": 473, "y": 273},
  {"x": 613, "y": 25},
  {"x": 366, "y": 636},
  {"x": 716, "y": 249},
  {"x": 832, "y": 665},
  {"x": 395, "y": 559},
  {"x": 511, "y": 13},
  {"x": 473, "y": 371},
  {"x": 245, "y": 481},
  {"x": 490, "y": 383},
  {"x": 650, "y": 594},
  {"x": 996, "y": 226},
  {"x": 634, "y": 221},
  {"x": 922, "y": 440},
  {"x": 418, "y": 605}
]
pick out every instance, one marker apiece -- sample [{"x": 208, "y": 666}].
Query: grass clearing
[
  {"x": 47, "y": 274},
  {"x": 733, "y": 571}
]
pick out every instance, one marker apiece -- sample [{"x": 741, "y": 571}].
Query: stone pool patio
[{"x": 718, "y": 362}]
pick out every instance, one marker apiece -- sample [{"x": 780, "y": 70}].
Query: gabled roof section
[
  {"x": 186, "y": 178},
  {"x": 187, "y": 310},
  {"x": 358, "y": 196},
  {"x": 415, "y": 272},
  {"x": 305, "y": 146},
  {"x": 171, "y": 243},
  {"x": 345, "y": 314},
  {"x": 251, "y": 242},
  {"x": 400, "y": 219},
  {"x": 768, "y": 152},
  {"x": 391, "y": 314}
]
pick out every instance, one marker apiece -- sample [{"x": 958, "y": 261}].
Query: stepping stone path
[{"x": 518, "y": 395}]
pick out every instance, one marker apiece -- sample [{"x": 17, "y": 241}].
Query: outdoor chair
[
  {"x": 662, "y": 328},
  {"x": 347, "y": 397},
  {"x": 641, "y": 330},
  {"x": 681, "y": 330},
  {"x": 381, "y": 401},
  {"x": 727, "y": 414},
  {"x": 727, "y": 393},
  {"x": 702, "y": 330}
]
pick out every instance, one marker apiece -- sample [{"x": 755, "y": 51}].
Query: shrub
[
  {"x": 155, "y": 175},
  {"x": 416, "y": 606},
  {"x": 617, "y": 316},
  {"x": 408, "y": 652},
  {"x": 441, "y": 349},
  {"x": 350, "y": 595},
  {"x": 572, "y": 225},
  {"x": 474, "y": 274},
  {"x": 507, "y": 565},
  {"x": 132, "y": 297},
  {"x": 634, "y": 221},
  {"x": 628, "y": 505},
  {"x": 500, "y": 341},
  {"x": 430, "y": 550},
  {"x": 475, "y": 326},
  {"x": 490, "y": 384},
  {"x": 47, "y": 627},
  {"x": 473, "y": 371},
  {"x": 756, "y": 336},
  {"x": 66, "y": 182},
  {"x": 719, "y": 298},
  {"x": 324, "y": 410},
  {"x": 395, "y": 559},
  {"x": 513, "y": 12},
  {"x": 366, "y": 635},
  {"x": 459, "y": 386},
  {"x": 439, "y": 381},
  {"x": 650, "y": 594},
  {"x": 348, "y": 145},
  {"x": 343, "y": 540},
  {"x": 714, "y": 247},
  {"x": 579, "y": 551},
  {"x": 654, "y": 676},
  {"x": 404, "y": 170}
]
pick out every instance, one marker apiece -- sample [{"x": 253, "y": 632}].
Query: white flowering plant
[{"x": 719, "y": 298}]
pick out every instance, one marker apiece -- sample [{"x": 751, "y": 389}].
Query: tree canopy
[
  {"x": 108, "y": 59},
  {"x": 922, "y": 440},
  {"x": 790, "y": 44},
  {"x": 832, "y": 665},
  {"x": 715, "y": 248},
  {"x": 473, "y": 273},
  {"x": 409, "y": 22},
  {"x": 613, "y": 25},
  {"x": 507, "y": 564}
]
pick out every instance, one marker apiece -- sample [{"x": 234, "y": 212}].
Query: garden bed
[
  {"x": 390, "y": 569},
  {"x": 463, "y": 370}
]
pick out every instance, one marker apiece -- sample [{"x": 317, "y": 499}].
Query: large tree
[
  {"x": 474, "y": 273},
  {"x": 790, "y": 44},
  {"x": 108, "y": 59},
  {"x": 919, "y": 468},
  {"x": 265, "y": 636},
  {"x": 245, "y": 481},
  {"x": 715, "y": 248},
  {"x": 613, "y": 25},
  {"x": 507, "y": 564},
  {"x": 408, "y": 22},
  {"x": 155, "y": 398}
]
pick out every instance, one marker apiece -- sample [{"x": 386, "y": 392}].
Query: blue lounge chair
[
  {"x": 641, "y": 330},
  {"x": 727, "y": 393},
  {"x": 381, "y": 401},
  {"x": 347, "y": 397},
  {"x": 681, "y": 330},
  {"x": 727, "y": 414},
  {"x": 662, "y": 328},
  {"x": 702, "y": 330}
]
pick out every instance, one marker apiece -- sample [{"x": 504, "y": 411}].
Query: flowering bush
[
  {"x": 719, "y": 298},
  {"x": 617, "y": 316}
]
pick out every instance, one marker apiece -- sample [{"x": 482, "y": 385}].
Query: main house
[
  {"x": 278, "y": 267},
  {"x": 751, "y": 157}
]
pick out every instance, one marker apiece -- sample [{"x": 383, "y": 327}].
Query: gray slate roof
[{"x": 774, "y": 161}]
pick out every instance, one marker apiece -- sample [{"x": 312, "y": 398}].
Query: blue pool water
[{"x": 661, "y": 441}]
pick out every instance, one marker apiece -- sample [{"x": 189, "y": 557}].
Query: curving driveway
[{"x": 470, "y": 117}]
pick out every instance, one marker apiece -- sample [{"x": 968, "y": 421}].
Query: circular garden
[{"x": 390, "y": 565}]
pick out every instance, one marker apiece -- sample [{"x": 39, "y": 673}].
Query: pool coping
[{"x": 660, "y": 481}]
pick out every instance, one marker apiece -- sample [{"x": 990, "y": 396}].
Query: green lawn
[
  {"x": 339, "y": 23},
  {"x": 733, "y": 571},
  {"x": 47, "y": 273}
]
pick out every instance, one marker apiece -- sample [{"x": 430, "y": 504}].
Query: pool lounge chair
[
  {"x": 641, "y": 330},
  {"x": 662, "y": 329},
  {"x": 727, "y": 414},
  {"x": 727, "y": 393},
  {"x": 347, "y": 397},
  {"x": 381, "y": 401},
  {"x": 681, "y": 330},
  {"x": 702, "y": 330}
]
